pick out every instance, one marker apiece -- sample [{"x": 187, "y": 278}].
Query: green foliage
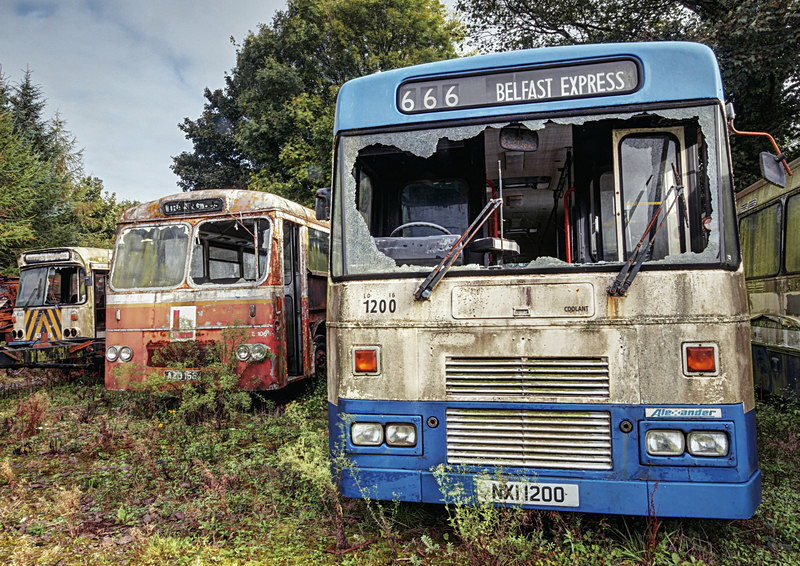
[
  {"x": 44, "y": 199},
  {"x": 757, "y": 43},
  {"x": 137, "y": 486},
  {"x": 216, "y": 396},
  {"x": 490, "y": 534},
  {"x": 307, "y": 456},
  {"x": 270, "y": 129},
  {"x": 98, "y": 212}
]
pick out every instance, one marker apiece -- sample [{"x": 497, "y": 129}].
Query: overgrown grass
[{"x": 95, "y": 477}]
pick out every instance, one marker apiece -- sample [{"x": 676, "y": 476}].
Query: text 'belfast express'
[{"x": 603, "y": 78}]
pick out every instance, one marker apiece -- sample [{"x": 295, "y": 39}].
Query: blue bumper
[{"x": 635, "y": 483}]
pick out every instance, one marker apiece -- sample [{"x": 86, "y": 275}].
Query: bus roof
[
  {"x": 216, "y": 202},
  {"x": 668, "y": 71},
  {"x": 70, "y": 254}
]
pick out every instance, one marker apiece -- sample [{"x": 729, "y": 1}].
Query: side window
[
  {"x": 792, "y": 229},
  {"x": 760, "y": 235},
  {"x": 231, "y": 251},
  {"x": 317, "y": 251}
]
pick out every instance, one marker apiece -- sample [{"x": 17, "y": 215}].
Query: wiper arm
[
  {"x": 626, "y": 276},
  {"x": 426, "y": 288}
]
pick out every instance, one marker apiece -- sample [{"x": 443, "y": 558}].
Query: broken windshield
[{"x": 582, "y": 195}]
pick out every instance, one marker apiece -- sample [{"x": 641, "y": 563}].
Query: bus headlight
[
  {"x": 665, "y": 442},
  {"x": 242, "y": 352},
  {"x": 125, "y": 354},
  {"x": 401, "y": 434},
  {"x": 712, "y": 443},
  {"x": 259, "y": 352},
  {"x": 112, "y": 353},
  {"x": 366, "y": 434}
]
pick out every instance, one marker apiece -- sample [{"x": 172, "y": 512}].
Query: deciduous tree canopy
[
  {"x": 756, "y": 41},
  {"x": 270, "y": 127}
]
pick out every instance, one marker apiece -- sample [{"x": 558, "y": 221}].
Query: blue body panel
[
  {"x": 725, "y": 488},
  {"x": 671, "y": 71}
]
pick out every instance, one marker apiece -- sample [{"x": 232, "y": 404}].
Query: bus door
[
  {"x": 100, "y": 286},
  {"x": 292, "y": 299}
]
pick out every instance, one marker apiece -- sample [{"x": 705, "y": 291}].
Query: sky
[{"x": 123, "y": 74}]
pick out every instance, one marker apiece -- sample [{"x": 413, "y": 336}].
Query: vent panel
[
  {"x": 579, "y": 440},
  {"x": 527, "y": 377}
]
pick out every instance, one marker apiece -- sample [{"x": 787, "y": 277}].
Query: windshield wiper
[
  {"x": 426, "y": 288},
  {"x": 625, "y": 277}
]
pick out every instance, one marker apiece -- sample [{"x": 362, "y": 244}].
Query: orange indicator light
[
  {"x": 700, "y": 359},
  {"x": 366, "y": 361}
]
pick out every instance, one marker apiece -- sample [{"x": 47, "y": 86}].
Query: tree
[
  {"x": 44, "y": 199},
  {"x": 270, "y": 128},
  {"x": 28, "y": 189},
  {"x": 756, "y": 41},
  {"x": 98, "y": 212}
]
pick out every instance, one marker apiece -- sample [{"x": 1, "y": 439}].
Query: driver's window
[
  {"x": 66, "y": 285},
  {"x": 646, "y": 162}
]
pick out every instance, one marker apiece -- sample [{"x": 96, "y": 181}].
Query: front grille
[
  {"x": 529, "y": 438},
  {"x": 186, "y": 353},
  {"x": 527, "y": 377}
]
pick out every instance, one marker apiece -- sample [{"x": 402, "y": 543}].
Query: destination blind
[
  {"x": 180, "y": 207},
  {"x": 519, "y": 86}
]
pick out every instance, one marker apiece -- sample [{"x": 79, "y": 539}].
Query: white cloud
[{"x": 123, "y": 74}]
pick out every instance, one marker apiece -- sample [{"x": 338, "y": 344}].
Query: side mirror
[
  {"x": 322, "y": 204},
  {"x": 772, "y": 168},
  {"x": 518, "y": 138}
]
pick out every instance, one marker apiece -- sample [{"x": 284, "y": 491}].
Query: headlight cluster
[
  {"x": 119, "y": 353},
  {"x": 375, "y": 434},
  {"x": 254, "y": 352},
  {"x": 671, "y": 442}
]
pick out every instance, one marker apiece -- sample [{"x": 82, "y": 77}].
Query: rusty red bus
[{"x": 193, "y": 272}]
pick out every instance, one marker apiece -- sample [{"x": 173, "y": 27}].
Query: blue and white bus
[{"x": 536, "y": 294}]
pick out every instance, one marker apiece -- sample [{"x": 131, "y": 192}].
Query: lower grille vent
[{"x": 529, "y": 438}]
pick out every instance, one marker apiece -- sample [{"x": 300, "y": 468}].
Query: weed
[
  {"x": 490, "y": 534},
  {"x": 30, "y": 414},
  {"x": 68, "y": 506},
  {"x": 308, "y": 457},
  {"x": 7, "y": 473}
]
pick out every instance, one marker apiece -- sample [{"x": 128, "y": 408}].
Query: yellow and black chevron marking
[{"x": 43, "y": 320}]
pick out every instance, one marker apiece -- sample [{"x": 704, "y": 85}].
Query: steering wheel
[{"x": 425, "y": 224}]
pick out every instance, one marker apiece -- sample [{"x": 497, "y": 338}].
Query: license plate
[
  {"x": 182, "y": 375},
  {"x": 528, "y": 493}
]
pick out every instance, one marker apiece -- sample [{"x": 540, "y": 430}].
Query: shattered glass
[{"x": 362, "y": 239}]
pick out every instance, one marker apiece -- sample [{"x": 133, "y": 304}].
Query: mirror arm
[{"x": 780, "y": 156}]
